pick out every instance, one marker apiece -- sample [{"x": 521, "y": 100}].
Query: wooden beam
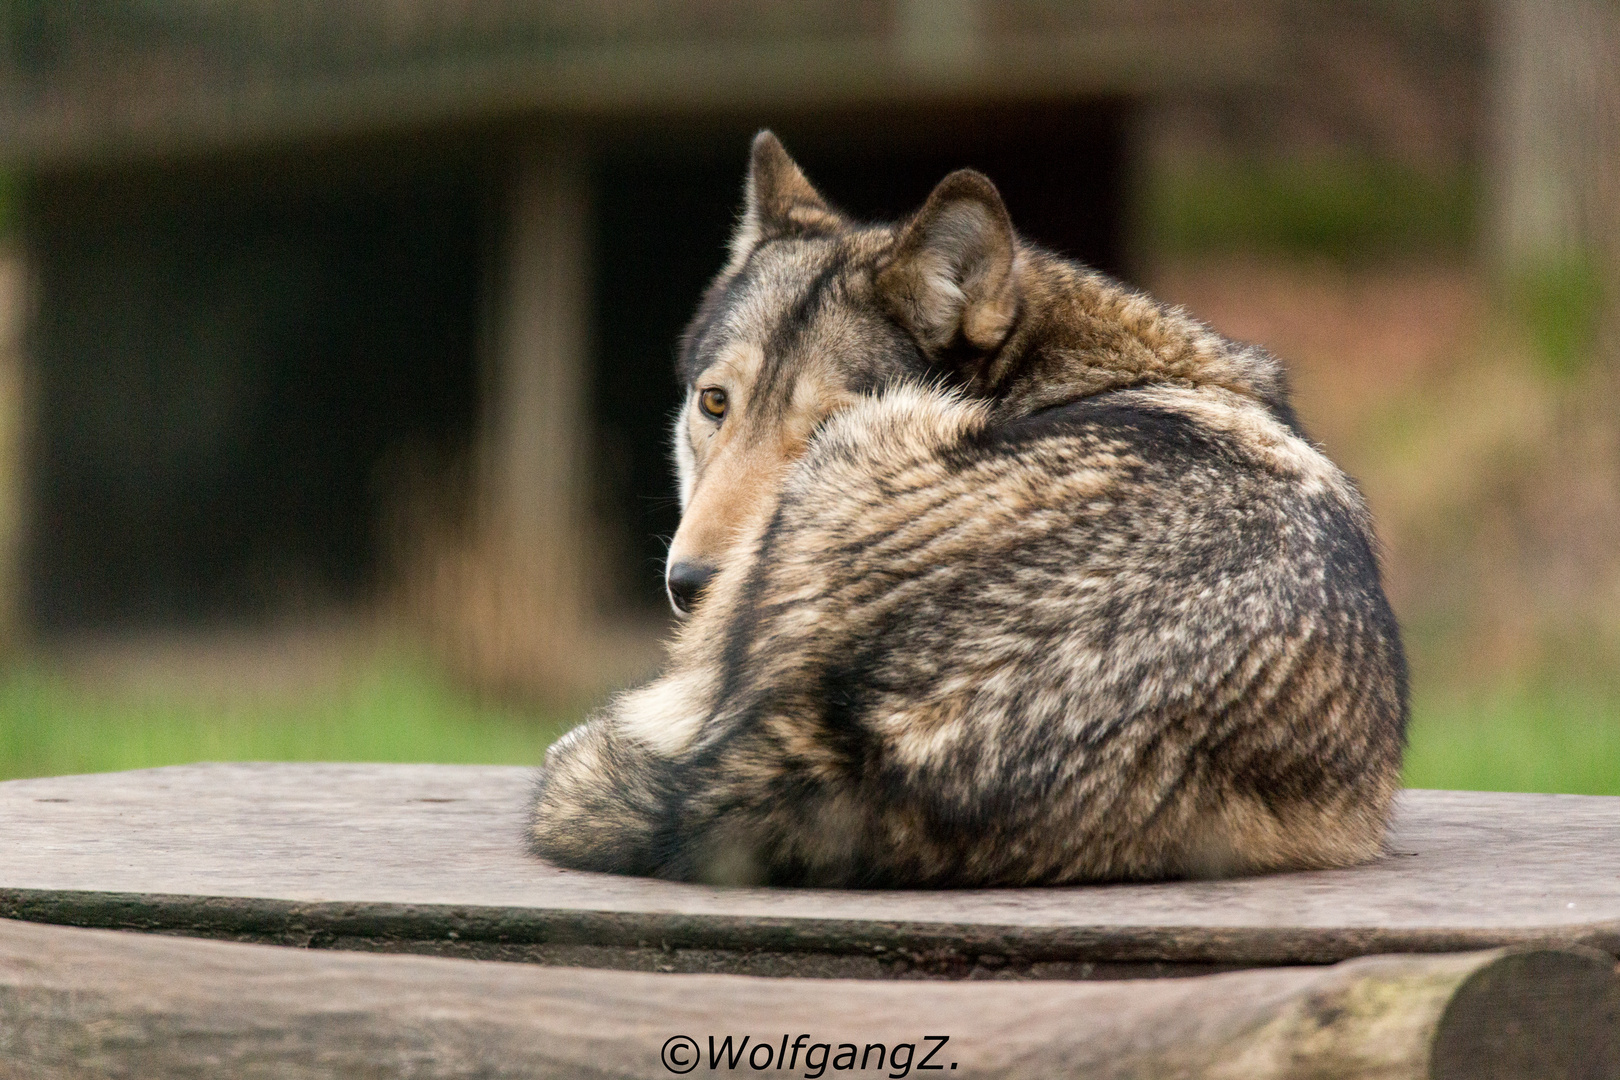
[
  {"x": 430, "y": 858},
  {"x": 13, "y": 414},
  {"x": 123, "y": 116},
  {"x": 514, "y": 608},
  {"x": 1555, "y": 184},
  {"x": 86, "y": 1003},
  {"x": 537, "y": 405},
  {"x": 1555, "y": 136}
]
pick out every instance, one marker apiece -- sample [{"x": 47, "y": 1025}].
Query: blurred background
[{"x": 336, "y": 337}]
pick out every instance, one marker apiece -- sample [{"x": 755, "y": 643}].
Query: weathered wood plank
[
  {"x": 430, "y": 858},
  {"x": 88, "y": 1003}
]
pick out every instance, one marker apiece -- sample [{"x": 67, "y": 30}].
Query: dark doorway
[
  {"x": 224, "y": 370},
  {"x": 665, "y": 203}
]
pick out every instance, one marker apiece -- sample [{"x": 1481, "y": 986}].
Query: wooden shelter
[{"x": 299, "y": 270}]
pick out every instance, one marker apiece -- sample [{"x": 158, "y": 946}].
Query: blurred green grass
[
  {"x": 395, "y": 710},
  {"x": 1537, "y": 739},
  {"x": 1347, "y": 208},
  {"x": 1559, "y": 739},
  {"x": 1560, "y": 305}
]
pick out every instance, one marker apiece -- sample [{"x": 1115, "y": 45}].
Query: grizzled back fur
[{"x": 996, "y": 572}]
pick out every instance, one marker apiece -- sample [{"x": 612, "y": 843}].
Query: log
[
  {"x": 429, "y": 858},
  {"x": 93, "y": 1003}
]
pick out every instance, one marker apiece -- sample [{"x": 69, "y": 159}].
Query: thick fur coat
[{"x": 999, "y": 573}]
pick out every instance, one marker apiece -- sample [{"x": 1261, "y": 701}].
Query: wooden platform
[
  {"x": 429, "y": 859},
  {"x": 1506, "y": 908}
]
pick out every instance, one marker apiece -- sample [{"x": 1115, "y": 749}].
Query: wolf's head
[{"x": 812, "y": 311}]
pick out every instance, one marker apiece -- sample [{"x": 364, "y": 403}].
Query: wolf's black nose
[{"x": 684, "y": 581}]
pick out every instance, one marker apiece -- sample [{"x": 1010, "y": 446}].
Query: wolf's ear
[
  {"x": 949, "y": 278},
  {"x": 779, "y": 200}
]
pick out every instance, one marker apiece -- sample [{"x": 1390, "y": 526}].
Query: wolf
[{"x": 994, "y": 572}]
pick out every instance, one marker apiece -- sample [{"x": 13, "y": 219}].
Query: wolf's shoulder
[
  {"x": 1156, "y": 430},
  {"x": 1199, "y": 478},
  {"x": 1214, "y": 430}
]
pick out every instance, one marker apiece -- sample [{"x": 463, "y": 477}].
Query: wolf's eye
[{"x": 713, "y": 402}]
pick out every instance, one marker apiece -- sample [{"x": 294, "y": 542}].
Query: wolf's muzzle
[{"x": 685, "y": 580}]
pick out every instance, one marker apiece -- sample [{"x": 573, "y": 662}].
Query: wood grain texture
[
  {"x": 87, "y": 1003},
  {"x": 430, "y": 858}
]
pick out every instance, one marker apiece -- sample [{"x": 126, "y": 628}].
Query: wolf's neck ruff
[{"x": 1009, "y": 575}]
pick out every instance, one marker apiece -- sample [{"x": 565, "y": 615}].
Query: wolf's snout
[{"x": 685, "y": 580}]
